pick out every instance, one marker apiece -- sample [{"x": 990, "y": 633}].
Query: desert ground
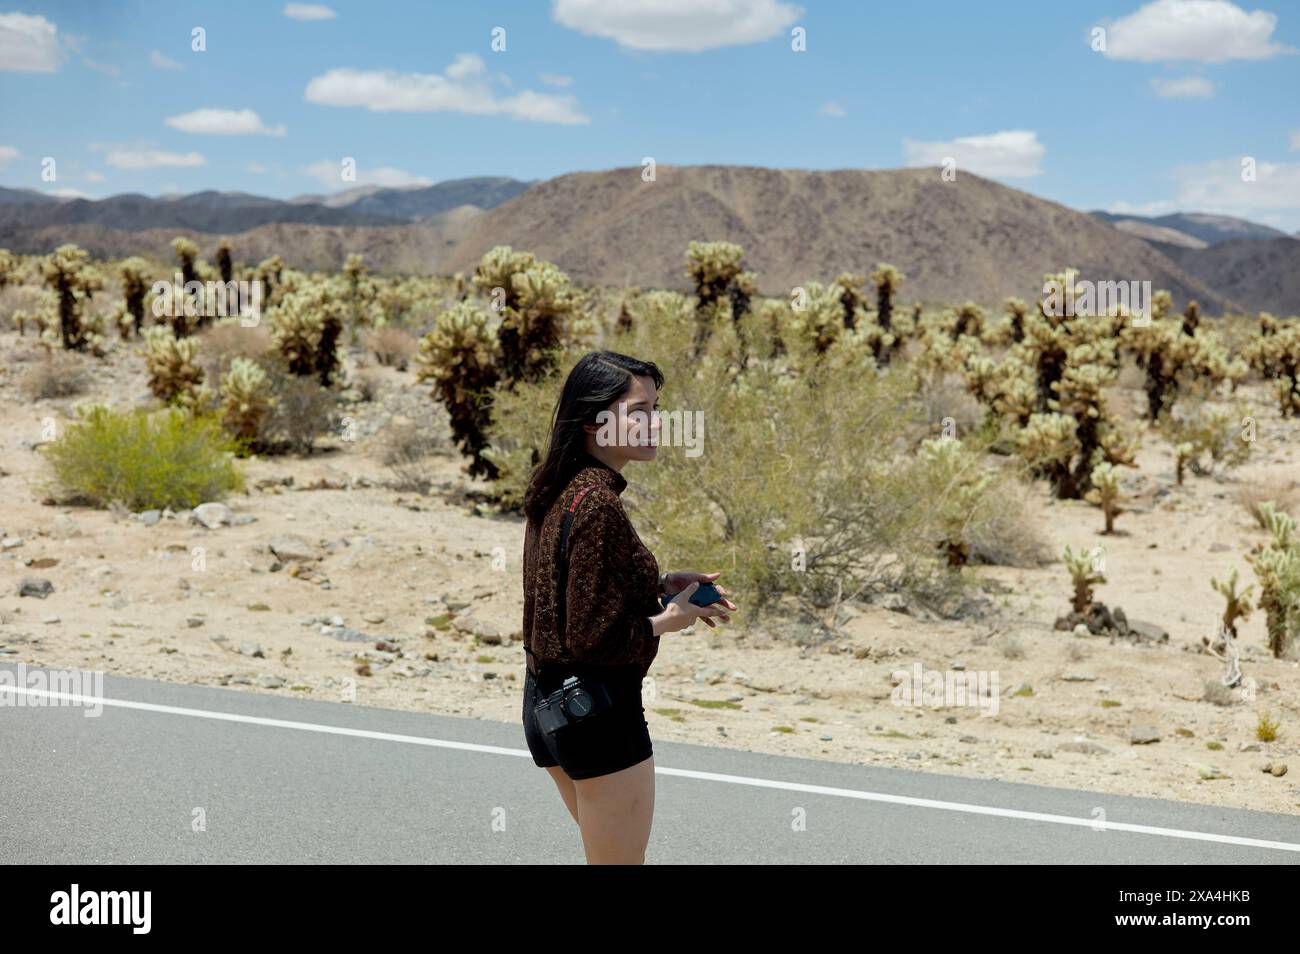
[{"x": 425, "y": 589}]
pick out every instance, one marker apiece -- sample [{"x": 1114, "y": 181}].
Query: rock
[
  {"x": 484, "y": 631},
  {"x": 150, "y": 518},
  {"x": 193, "y": 622},
  {"x": 1076, "y": 677},
  {"x": 1248, "y": 747},
  {"x": 1278, "y": 769},
  {"x": 454, "y": 603},
  {"x": 345, "y": 634},
  {"x": 270, "y": 682},
  {"x": 1084, "y": 746},
  {"x": 1144, "y": 734},
  {"x": 1081, "y": 630},
  {"x": 213, "y": 515},
  {"x": 895, "y": 602},
  {"x": 35, "y": 586},
  {"x": 968, "y": 738},
  {"x": 290, "y": 546},
  {"x": 51, "y": 618},
  {"x": 1148, "y": 631},
  {"x": 11, "y": 543},
  {"x": 373, "y": 617},
  {"x": 252, "y": 649},
  {"x": 63, "y": 527}
]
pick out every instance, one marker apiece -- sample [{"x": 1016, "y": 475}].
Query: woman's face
[{"x": 630, "y": 429}]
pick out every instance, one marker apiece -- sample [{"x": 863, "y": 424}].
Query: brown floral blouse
[{"x": 613, "y": 586}]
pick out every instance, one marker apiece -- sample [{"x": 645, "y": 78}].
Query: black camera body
[{"x": 575, "y": 701}]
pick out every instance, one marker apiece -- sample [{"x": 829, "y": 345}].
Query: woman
[{"x": 604, "y": 624}]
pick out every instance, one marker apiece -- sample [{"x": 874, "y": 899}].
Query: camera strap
[{"x": 562, "y": 580}]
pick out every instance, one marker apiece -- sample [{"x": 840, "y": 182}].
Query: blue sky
[{"x": 1158, "y": 121}]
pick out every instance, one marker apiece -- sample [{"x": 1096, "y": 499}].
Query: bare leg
[
  {"x": 567, "y": 791},
  {"x": 615, "y": 812}
]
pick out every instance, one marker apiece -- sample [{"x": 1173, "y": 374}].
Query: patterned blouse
[{"x": 613, "y": 586}]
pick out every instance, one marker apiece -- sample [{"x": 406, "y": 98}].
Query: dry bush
[
  {"x": 946, "y": 396},
  {"x": 1010, "y": 529},
  {"x": 405, "y": 448},
  {"x": 392, "y": 347},
  {"x": 367, "y": 384},
  {"x": 221, "y": 343},
  {"x": 303, "y": 411},
  {"x": 1283, "y": 492},
  {"x": 59, "y": 374}
]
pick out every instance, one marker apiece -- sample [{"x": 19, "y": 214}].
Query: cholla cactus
[
  {"x": 1106, "y": 494},
  {"x": 1239, "y": 606},
  {"x": 135, "y": 285},
  {"x": 817, "y": 320},
  {"x": 187, "y": 252},
  {"x": 8, "y": 268},
  {"x": 1216, "y": 432},
  {"x": 1276, "y": 354},
  {"x": 851, "y": 300},
  {"x": 174, "y": 374},
  {"x": 1049, "y": 442},
  {"x": 1277, "y": 568},
  {"x": 1083, "y": 575},
  {"x": 460, "y": 356},
  {"x": 270, "y": 272},
  {"x": 246, "y": 401},
  {"x": 73, "y": 280},
  {"x": 887, "y": 280},
  {"x": 533, "y": 329},
  {"x": 225, "y": 266},
  {"x": 305, "y": 327},
  {"x": 965, "y": 319},
  {"x": 713, "y": 267},
  {"x": 961, "y": 484}
]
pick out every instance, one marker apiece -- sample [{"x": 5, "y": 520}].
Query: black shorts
[{"x": 605, "y": 743}]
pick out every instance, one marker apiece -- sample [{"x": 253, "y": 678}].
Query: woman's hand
[
  {"x": 681, "y": 612},
  {"x": 676, "y": 582}
]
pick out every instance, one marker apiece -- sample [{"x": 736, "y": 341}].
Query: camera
[{"x": 574, "y": 702}]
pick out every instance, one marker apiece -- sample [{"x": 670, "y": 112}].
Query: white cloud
[
  {"x": 1010, "y": 154},
  {"x": 466, "y": 88},
  {"x": 158, "y": 61},
  {"x": 29, "y": 44},
  {"x": 555, "y": 79},
  {"x": 1183, "y": 87},
  {"x": 66, "y": 193},
  {"x": 137, "y": 159},
  {"x": 1295, "y": 140},
  {"x": 687, "y": 25},
  {"x": 1217, "y": 186},
  {"x": 223, "y": 122},
  {"x": 1211, "y": 31},
  {"x": 329, "y": 173},
  {"x": 102, "y": 67},
  {"x": 93, "y": 176},
  {"x": 308, "y": 11},
  {"x": 8, "y": 153},
  {"x": 832, "y": 108},
  {"x": 1146, "y": 209}
]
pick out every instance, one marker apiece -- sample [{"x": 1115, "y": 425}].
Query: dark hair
[{"x": 596, "y": 381}]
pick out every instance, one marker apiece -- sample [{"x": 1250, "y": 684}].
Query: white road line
[{"x": 681, "y": 773}]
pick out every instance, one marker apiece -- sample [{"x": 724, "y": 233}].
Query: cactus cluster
[
  {"x": 246, "y": 401},
  {"x": 1277, "y": 568},
  {"x": 460, "y": 355},
  {"x": 1275, "y": 353},
  {"x": 305, "y": 327},
  {"x": 175, "y": 376},
  {"x": 65, "y": 316}
]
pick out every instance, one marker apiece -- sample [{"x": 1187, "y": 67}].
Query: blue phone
[{"x": 706, "y": 595}]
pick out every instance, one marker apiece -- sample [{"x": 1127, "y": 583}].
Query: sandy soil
[{"x": 127, "y": 600}]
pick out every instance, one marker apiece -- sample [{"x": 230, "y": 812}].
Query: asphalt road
[{"x": 177, "y": 774}]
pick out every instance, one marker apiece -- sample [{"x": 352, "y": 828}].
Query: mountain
[
  {"x": 1208, "y": 229},
  {"x": 1258, "y": 275},
  {"x": 413, "y": 203},
  {"x": 971, "y": 238},
  {"x": 227, "y": 212}
]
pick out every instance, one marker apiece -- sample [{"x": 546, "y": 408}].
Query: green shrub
[{"x": 144, "y": 460}]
